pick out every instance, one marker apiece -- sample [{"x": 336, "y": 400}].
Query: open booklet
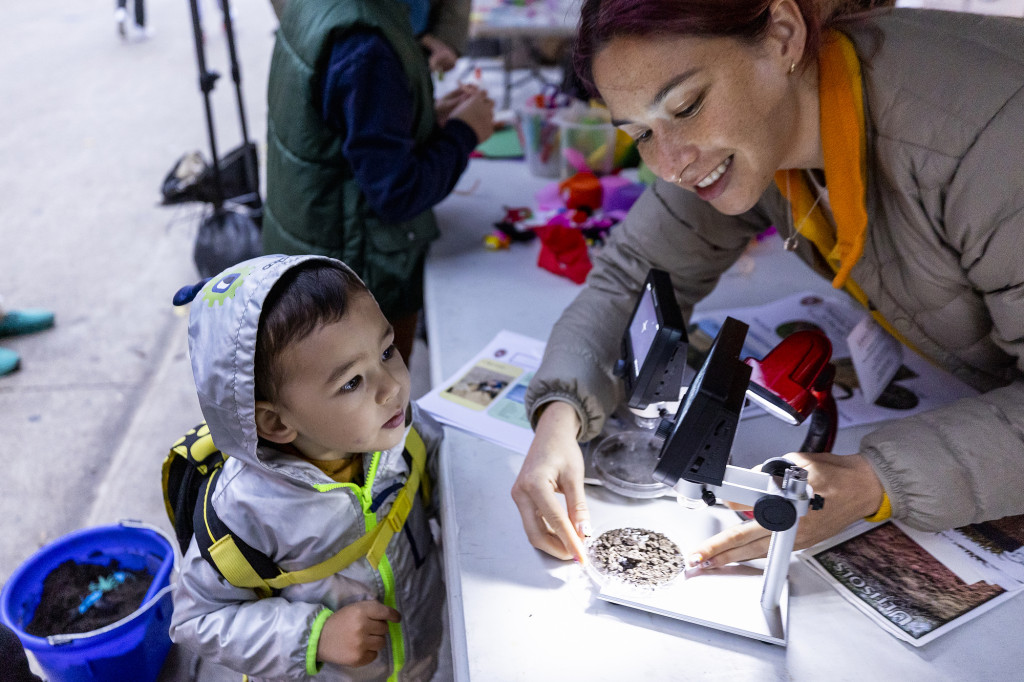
[
  {"x": 485, "y": 397},
  {"x": 918, "y": 586},
  {"x": 912, "y": 384}
]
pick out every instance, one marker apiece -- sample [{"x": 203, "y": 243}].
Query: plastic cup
[
  {"x": 538, "y": 134},
  {"x": 587, "y": 141}
]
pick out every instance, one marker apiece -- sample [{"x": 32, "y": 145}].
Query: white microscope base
[{"x": 726, "y": 599}]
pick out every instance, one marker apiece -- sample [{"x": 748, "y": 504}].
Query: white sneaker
[{"x": 121, "y": 19}]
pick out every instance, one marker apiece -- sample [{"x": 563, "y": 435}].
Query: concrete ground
[{"x": 89, "y": 126}]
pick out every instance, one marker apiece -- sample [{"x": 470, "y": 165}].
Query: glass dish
[{"x": 625, "y": 463}]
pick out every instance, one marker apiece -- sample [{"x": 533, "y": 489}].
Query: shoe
[
  {"x": 25, "y": 322},
  {"x": 9, "y": 361},
  {"x": 121, "y": 19}
]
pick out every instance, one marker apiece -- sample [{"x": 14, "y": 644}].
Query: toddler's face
[{"x": 345, "y": 388}]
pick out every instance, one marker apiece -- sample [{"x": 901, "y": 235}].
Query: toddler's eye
[
  {"x": 352, "y": 384},
  {"x": 389, "y": 352}
]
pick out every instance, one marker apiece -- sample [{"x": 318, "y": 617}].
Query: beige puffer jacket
[{"x": 944, "y": 260}]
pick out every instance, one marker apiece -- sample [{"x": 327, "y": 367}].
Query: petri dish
[
  {"x": 633, "y": 557},
  {"x": 625, "y": 463}
]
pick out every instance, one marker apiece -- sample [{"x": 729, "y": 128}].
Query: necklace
[{"x": 790, "y": 242}]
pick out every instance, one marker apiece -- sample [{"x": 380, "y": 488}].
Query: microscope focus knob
[{"x": 775, "y": 513}]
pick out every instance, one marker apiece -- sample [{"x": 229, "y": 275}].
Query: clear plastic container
[
  {"x": 624, "y": 463},
  {"x": 588, "y": 141},
  {"x": 539, "y": 136}
]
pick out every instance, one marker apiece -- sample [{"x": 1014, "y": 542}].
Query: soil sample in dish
[{"x": 636, "y": 556}]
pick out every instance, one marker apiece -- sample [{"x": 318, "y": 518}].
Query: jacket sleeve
[
  {"x": 667, "y": 228},
  {"x": 258, "y": 637},
  {"x": 367, "y": 98},
  {"x": 964, "y": 463}
]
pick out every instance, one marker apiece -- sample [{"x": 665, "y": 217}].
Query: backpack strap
[
  {"x": 239, "y": 563},
  {"x": 402, "y": 505},
  {"x": 373, "y": 544}
]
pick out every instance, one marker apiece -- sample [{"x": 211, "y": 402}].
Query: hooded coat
[
  {"x": 944, "y": 108},
  {"x": 288, "y": 509}
]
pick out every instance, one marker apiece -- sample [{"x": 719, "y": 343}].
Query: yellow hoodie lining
[{"x": 844, "y": 147}]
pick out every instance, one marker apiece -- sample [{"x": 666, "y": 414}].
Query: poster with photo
[
  {"x": 916, "y": 386},
  {"x": 900, "y": 585},
  {"x": 485, "y": 397},
  {"x": 997, "y": 545}
]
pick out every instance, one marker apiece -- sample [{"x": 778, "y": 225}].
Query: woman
[{"x": 892, "y": 132}]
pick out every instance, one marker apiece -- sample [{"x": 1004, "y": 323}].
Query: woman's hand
[
  {"x": 354, "y": 635},
  {"x": 851, "y": 490},
  {"x": 553, "y": 465}
]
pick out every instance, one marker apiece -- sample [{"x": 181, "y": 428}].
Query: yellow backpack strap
[
  {"x": 403, "y": 501},
  {"x": 416, "y": 447},
  {"x": 240, "y": 564},
  {"x": 373, "y": 544}
]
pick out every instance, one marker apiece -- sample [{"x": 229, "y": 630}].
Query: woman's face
[{"x": 718, "y": 116}]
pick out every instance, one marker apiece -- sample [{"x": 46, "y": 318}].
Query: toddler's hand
[
  {"x": 354, "y": 634},
  {"x": 477, "y": 111}
]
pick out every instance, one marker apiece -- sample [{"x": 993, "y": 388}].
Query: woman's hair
[
  {"x": 603, "y": 20},
  {"x": 307, "y": 296}
]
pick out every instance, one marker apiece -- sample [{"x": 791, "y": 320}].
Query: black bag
[
  {"x": 225, "y": 237},
  {"x": 231, "y": 231},
  {"x": 193, "y": 179}
]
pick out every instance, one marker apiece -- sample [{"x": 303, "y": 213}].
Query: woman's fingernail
[
  {"x": 706, "y": 564},
  {"x": 585, "y": 529},
  {"x": 694, "y": 560}
]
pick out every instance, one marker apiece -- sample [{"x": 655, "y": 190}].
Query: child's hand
[
  {"x": 442, "y": 57},
  {"x": 354, "y": 634},
  {"x": 477, "y": 111},
  {"x": 444, "y": 106}
]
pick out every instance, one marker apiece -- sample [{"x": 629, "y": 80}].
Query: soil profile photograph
[{"x": 895, "y": 576}]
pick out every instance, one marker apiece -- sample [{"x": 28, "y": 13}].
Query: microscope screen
[{"x": 643, "y": 329}]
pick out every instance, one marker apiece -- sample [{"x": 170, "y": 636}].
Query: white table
[
  {"x": 517, "y": 614},
  {"x": 515, "y": 26}
]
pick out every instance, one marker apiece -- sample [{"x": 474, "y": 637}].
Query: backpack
[{"x": 189, "y": 478}]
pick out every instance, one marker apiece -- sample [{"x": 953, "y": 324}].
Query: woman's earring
[{"x": 792, "y": 67}]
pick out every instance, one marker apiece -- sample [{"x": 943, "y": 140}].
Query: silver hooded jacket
[{"x": 288, "y": 509}]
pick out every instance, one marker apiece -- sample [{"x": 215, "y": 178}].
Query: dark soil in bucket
[{"x": 85, "y": 597}]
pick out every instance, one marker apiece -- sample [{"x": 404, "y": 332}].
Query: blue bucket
[{"x": 133, "y": 648}]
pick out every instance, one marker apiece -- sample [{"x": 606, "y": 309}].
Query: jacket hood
[{"x": 223, "y": 321}]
